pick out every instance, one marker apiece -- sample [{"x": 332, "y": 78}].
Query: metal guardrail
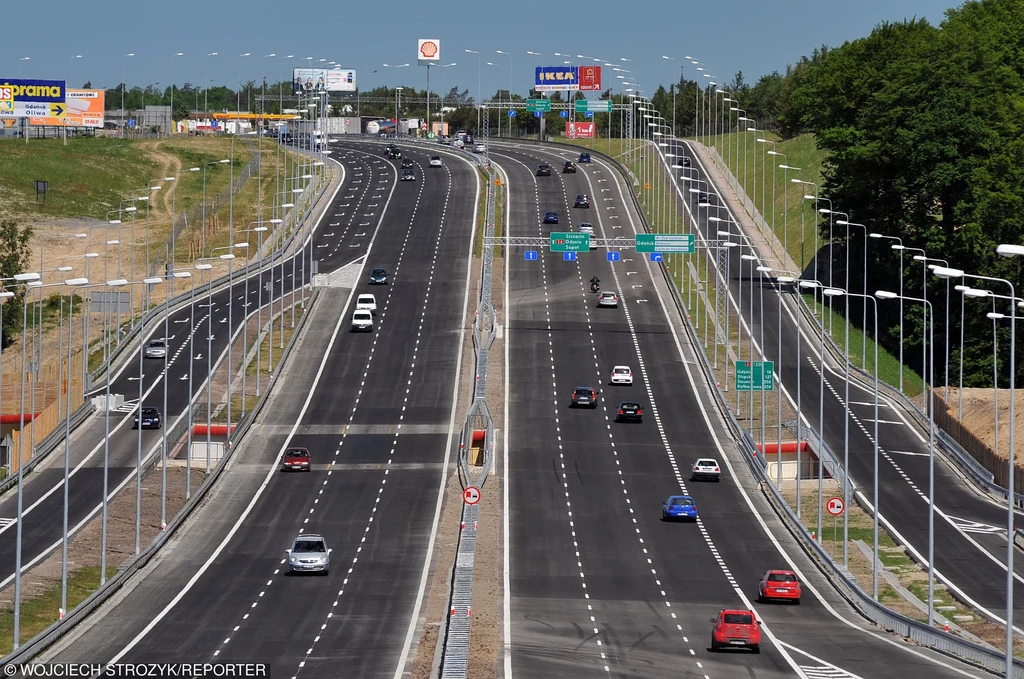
[
  {"x": 54, "y": 632},
  {"x": 49, "y": 443}
]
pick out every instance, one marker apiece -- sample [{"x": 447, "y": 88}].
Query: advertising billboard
[
  {"x": 428, "y": 52},
  {"x": 589, "y": 78},
  {"x": 313, "y": 80},
  {"x": 579, "y": 130},
  {"x": 84, "y": 109},
  {"x": 567, "y": 78},
  {"x": 31, "y": 98}
]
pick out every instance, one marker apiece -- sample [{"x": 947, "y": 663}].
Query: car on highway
[
  {"x": 362, "y": 321},
  {"x": 150, "y": 418},
  {"x": 479, "y": 148},
  {"x": 543, "y": 170},
  {"x": 582, "y": 200},
  {"x": 309, "y": 554},
  {"x": 703, "y": 198},
  {"x": 296, "y": 460},
  {"x": 379, "y": 276},
  {"x": 736, "y": 628},
  {"x": 550, "y": 217},
  {"x": 679, "y": 507},
  {"x": 569, "y": 167},
  {"x": 408, "y": 176},
  {"x": 622, "y": 374},
  {"x": 779, "y": 584},
  {"x": 458, "y": 143},
  {"x": 630, "y": 411},
  {"x": 684, "y": 160},
  {"x": 583, "y": 397},
  {"x": 435, "y": 161},
  {"x": 156, "y": 349},
  {"x": 367, "y": 302},
  {"x": 584, "y": 157},
  {"x": 394, "y": 153},
  {"x": 608, "y": 299},
  {"x": 706, "y": 468},
  {"x": 407, "y": 163}
]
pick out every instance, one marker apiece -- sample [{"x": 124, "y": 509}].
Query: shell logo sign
[{"x": 428, "y": 52}]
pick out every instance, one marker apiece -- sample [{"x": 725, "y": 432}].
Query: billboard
[
  {"x": 84, "y": 109},
  {"x": 313, "y": 80},
  {"x": 29, "y": 98},
  {"x": 428, "y": 52},
  {"x": 567, "y": 78},
  {"x": 579, "y": 130},
  {"x": 589, "y": 78}
]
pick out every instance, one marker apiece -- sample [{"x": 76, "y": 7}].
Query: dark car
[
  {"x": 406, "y": 163},
  {"x": 684, "y": 161},
  {"x": 150, "y": 418},
  {"x": 569, "y": 167},
  {"x": 584, "y": 157},
  {"x": 543, "y": 170},
  {"x": 703, "y": 198},
  {"x": 296, "y": 460},
  {"x": 583, "y": 397},
  {"x": 550, "y": 217},
  {"x": 378, "y": 277},
  {"x": 582, "y": 200},
  {"x": 408, "y": 176},
  {"x": 394, "y": 153},
  {"x": 630, "y": 411}
]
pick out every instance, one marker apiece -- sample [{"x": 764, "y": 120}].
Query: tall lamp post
[
  {"x": 397, "y": 113},
  {"x": 173, "y": 125},
  {"x": 479, "y": 73},
  {"x": 124, "y": 114},
  {"x": 899, "y": 241}
]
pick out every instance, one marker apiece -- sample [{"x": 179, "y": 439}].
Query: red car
[
  {"x": 736, "y": 628},
  {"x": 779, "y": 585},
  {"x": 296, "y": 460}
]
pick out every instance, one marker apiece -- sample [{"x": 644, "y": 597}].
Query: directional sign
[
  {"x": 613, "y": 256},
  {"x": 564, "y": 114},
  {"x": 835, "y": 506},
  {"x": 590, "y": 114},
  {"x": 538, "y": 114},
  {"x": 530, "y": 255},
  {"x": 755, "y": 375},
  {"x": 512, "y": 114},
  {"x": 569, "y": 256},
  {"x": 471, "y": 495},
  {"x": 656, "y": 257},
  {"x": 679, "y": 242},
  {"x": 32, "y": 98},
  {"x": 538, "y": 105},
  {"x": 569, "y": 241},
  {"x": 593, "y": 106}
]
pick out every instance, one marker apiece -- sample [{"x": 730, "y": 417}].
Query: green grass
[
  {"x": 481, "y": 214},
  {"x": 41, "y": 611}
]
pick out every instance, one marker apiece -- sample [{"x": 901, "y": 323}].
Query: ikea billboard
[{"x": 567, "y": 78}]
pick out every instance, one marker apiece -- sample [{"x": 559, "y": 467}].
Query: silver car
[
  {"x": 608, "y": 298},
  {"x": 309, "y": 554},
  {"x": 706, "y": 468},
  {"x": 156, "y": 349}
]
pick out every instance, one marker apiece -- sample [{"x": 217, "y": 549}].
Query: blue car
[
  {"x": 679, "y": 507},
  {"x": 550, "y": 217},
  {"x": 378, "y": 277},
  {"x": 150, "y": 418}
]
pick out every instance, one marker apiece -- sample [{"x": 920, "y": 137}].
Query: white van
[{"x": 362, "y": 321}]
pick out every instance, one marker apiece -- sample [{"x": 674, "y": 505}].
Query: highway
[
  {"x": 599, "y": 585},
  {"x": 376, "y": 411},
  {"x": 970, "y": 553},
  {"x": 188, "y": 331}
]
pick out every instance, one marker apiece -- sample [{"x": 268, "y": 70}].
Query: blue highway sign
[
  {"x": 569, "y": 256},
  {"x": 655, "y": 256},
  {"x": 564, "y": 114},
  {"x": 530, "y": 255},
  {"x": 511, "y": 114},
  {"x": 613, "y": 256}
]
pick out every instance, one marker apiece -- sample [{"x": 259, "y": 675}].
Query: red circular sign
[
  {"x": 471, "y": 495},
  {"x": 835, "y": 506}
]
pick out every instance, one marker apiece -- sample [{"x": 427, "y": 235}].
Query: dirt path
[{"x": 170, "y": 165}]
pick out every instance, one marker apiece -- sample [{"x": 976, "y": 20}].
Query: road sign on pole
[
  {"x": 678, "y": 242},
  {"x": 755, "y": 375},
  {"x": 569, "y": 241},
  {"x": 530, "y": 255},
  {"x": 835, "y": 506},
  {"x": 471, "y": 495},
  {"x": 595, "y": 106},
  {"x": 656, "y": 257},
  {"x": 512, "y": 113},
  {"x": 538, "y": 105},
  {"x": 613, "y": 256},
  {"x": 32, "y": 98},
  {"x": 569, "y": 256}
]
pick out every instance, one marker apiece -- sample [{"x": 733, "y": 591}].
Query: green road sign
[
  {"x": 755, "y": 376},
  {"x": 570, "y": 241},
  {"x": 538, "y": 105},
  {"x": 651, "y": 242},
  {"x": 596, "y": 106}
]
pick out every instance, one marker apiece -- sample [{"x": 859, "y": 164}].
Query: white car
[
  {"x": 156, "y": 349},
  {"x": 622, "y": 374},
  {"x": 309, "y": 554},
  {"x": 458, "y": 143},
  {"x": 588, "y": 229},
  {"x": 435, "y": 161},
  {"x": 480, "y": 148},
  {"x": 706, "y": 468},
  {"x": 362, "y": 321},
  {"x": 608, "y": 298},
  {"x": 367, "y": 302}
]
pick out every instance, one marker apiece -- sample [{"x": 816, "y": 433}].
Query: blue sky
[{"x": 753, "y": 36}]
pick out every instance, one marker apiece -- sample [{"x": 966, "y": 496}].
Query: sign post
[
  {"x": 533, "y": 105},
  {"x": 835, "y": 507}
]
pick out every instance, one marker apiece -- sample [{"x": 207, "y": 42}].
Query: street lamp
[
  {"x": 925, "y": 260},
  {"x": 924, "y": 328},
  {"x": 397, "y": 113},
  {"x": 899, "y": 241},
  {"x": 173, "y": 125},
  {"x": 442, "y": 92},
  {"x": 206, "y": 84},
  {"x": 480, "y": 98},
  {"x": 124, "y": 114}
]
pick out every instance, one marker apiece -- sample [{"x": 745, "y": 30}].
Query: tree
[{"x": 14, "y": 259}]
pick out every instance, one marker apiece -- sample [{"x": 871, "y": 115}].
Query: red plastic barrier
[
  {"x": 215, "y": 429},
  {"x": 14, "y": 418},
  {"x": 787, "y": 447},
  {"x": 478, "y": 437}
]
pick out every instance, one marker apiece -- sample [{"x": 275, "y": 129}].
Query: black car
[
  {"x": 408, "y": 176},
  {"x": 150, "y": 418},
  {"x": 582, "y": 200},
  {"x": 583, "y": 397},
  {"x": 584, "y": 158},
  {"x": 378, "y": 277},
  {"x": 550, "y": 217},
  {"x": 543, "y": 170},
  {"x": 684, "y": 161},
  {"x": 703, "y": 198},
  {"x": 406, "y": 163},
  {"x": 394, "y": 153},
  {"x": 630, "y": 411},
  {"x": 569, "y": 167}
]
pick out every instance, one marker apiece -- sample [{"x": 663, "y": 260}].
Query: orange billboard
[{"x": 85, "y": 108}]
